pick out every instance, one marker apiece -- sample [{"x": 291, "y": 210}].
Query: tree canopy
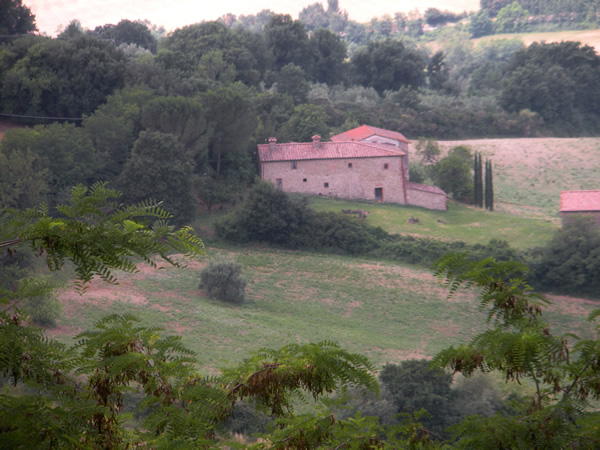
[
  {"x": 388, "y": 65},
  {"x": 16, "y": 18}
]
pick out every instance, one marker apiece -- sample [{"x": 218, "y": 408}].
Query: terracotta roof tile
[
  {"x": 365, "y": 131},
  {"x": 579, "y": 201},
  {"x": 294, "y": 151}
]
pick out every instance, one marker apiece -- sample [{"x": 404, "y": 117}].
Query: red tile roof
[
  {"x": 366, "y": 131},
  {"x": 326, "y": 150},
  {"x": 579, "y": 201}
]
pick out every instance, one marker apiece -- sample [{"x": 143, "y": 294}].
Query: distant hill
[
  {"x": 588, "y": 37},
  {"x": 52, "y": 14}
]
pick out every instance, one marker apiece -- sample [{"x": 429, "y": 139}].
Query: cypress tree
[
  {"x": 475, "y": 178},
  {"x": 489, "y": 187},
  {"x": 477, "y": 181}
]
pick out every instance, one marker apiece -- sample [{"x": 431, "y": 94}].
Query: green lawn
[
  {"x": 383, "y": 310},
  {"x": 460, "y": 222}
]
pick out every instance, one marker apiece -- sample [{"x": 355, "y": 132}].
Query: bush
[
  {"x": 570, "y": 262},
  {"x": 222, "y": 279},
  {"x": 43, "y": 310},
  {"x": 267, "y": 215}
]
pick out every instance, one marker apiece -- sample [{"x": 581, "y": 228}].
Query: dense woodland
[{"x": 175, "y": 118}]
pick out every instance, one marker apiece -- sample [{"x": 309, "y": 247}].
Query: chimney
[
  {"x": 272, "y": 143},
  {"x": 316, "y": 139}
]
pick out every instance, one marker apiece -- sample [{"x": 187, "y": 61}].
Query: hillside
[
  {"x": 383, "y": 310},
  {"x": 530, "y": 173},
  {"x": 587, "y": 37}
]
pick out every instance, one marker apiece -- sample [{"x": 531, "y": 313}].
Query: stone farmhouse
[
  {"x": 579, "y": 202},
  {"x": 365, "y": 163}
]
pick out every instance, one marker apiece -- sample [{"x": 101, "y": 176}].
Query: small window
[
  {"x": 349, "y": 165},
  {"x": 326, "y": 185},
  {"x": 278, "y": 183},
  {"x": 294, "y": 165},
  {"x": 304, "y": 180},
  {"x": 386, "y": 165}
]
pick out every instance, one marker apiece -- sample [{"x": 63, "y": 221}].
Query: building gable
[
  {"x": 366, "y": 131},
  {"x": 580, "y": 201}
]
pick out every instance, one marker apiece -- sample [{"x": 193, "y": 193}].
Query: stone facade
[
  {"x": 425, "y": 196},
  {"x": 355, "y": 178}
]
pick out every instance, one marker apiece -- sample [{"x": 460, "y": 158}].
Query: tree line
[{"x": 191, "y": 107}]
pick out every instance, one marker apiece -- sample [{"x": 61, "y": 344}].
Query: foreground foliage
[
  {"x": 97, "y": 234},
  {"x": 520, "y": 345}
]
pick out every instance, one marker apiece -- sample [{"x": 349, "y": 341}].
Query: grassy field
[
  {"x": 587, "y": 37},
  {"x": 460, "y": 222},
  {"x": 530, "y": 173},
  {"x": 385, "y": 311}
]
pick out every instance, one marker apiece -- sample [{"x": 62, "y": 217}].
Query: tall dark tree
[
  {"x": 559, "y": 81},
  {"x": 307, "y": 121},
  {"x": 128, "y": 32},
  {"x": 159, "y": 169},
  {"x": 478, "y": 180},
  {"x": 453, "y": 174},
  {"x": 437, "y": 72},
  {"x": 481, "y": 24},
  {"x": 414, "y": 385},
  {"x": 185, "y": 118},
  {"x": 114, "y": 127},
  {"x": 65, "y": 151},
  {"x": 16, "y": 18},
  {"x": 493, "y": 6},
  {"x": 388, "y": 65},
  {"x": 288, "y": 41},
  {"x": 59, "y": 78},
  {"x": 246, "y": 51},
  {"x": 231, "y": 120},
  {"x": 329, "y": 52},
  {"x": 292, "y": 82},
  {"x": 489, "y": 186},
  {"x": 314, "y": 16}
]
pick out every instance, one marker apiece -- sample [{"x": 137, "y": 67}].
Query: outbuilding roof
[
  {"x": 425, "y": 187},
  {"x": 366, "y": 131},
  {"x": 298, "y": 151},
  {"x": 579, "y": 201}
]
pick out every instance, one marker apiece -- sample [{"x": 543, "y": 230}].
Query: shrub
[
  {"x": 267, "y": 215},
  {"x": 43, "y": 310},
  {"x": 222, "y": 279},
  {"x": 570, "y": 262}
]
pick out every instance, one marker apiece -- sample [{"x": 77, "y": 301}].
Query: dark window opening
[
  {"x": 379, "y": 194},
  {"x": 326, "y": 185},
  {"x": 278, "y": 183},
  {"x": 294, "y": 165},
  {"x": 304, "y": 180},
  {"x": 349, "y": 165},
  {"x": 385, "y": 166}
]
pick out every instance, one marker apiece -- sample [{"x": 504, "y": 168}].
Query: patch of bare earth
[{"x": 351, "y": 307}]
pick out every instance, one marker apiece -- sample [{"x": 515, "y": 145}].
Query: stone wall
[
  {"x": 352, "y": 178},
  {"x": 425, "y": 198},
  {"x": 567, "y": 216}
]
